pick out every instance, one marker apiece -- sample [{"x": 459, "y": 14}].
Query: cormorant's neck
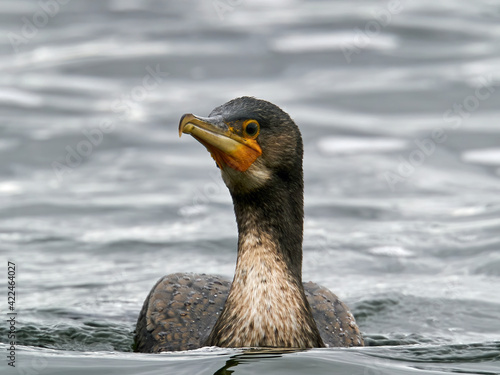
[
  {"x": 274, "y": 217},
  {"x": 267, "y": 305}
]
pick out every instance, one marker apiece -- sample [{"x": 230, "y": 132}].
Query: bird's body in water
[{"x": 259, "y": 151}]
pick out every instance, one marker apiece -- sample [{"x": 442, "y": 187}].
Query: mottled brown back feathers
[{"x": 165, "y": 325}]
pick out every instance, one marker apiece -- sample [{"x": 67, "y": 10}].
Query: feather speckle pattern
[{"x": 169, "y": 325}]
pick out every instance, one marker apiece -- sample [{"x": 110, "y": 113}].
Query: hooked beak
[{"x": 225, "y": 146}]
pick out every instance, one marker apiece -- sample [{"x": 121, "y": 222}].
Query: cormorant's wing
[
  {"x": 335, "y": 322},
  {"x": 181, "y": 310}
]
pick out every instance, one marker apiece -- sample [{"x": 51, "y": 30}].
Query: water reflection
[
  {"x": 254, "y": 355},
  {"x": 418, "y": 263}
]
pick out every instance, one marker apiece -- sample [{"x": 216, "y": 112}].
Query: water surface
[{"x": 399, "y": 110}]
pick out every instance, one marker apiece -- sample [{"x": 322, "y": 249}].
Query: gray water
[{"x": 399, "y": 106}]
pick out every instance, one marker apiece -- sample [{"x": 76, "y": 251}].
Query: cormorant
[{"x": 259, "y": 150}]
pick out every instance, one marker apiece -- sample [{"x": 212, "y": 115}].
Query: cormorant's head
[{"x": 253, "y": 142}]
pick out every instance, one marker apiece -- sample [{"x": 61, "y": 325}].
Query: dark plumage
[
  {"x": 170, "y": 324},
  {"x": 259, "y": 150}
]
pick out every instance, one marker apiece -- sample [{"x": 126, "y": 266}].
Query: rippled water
[{"x": 399, "y": 106}]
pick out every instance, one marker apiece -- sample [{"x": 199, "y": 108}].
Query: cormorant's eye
[{"x": 251, "y": 128}]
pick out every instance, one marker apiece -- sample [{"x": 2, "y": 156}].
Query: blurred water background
[{"x": 399, "y": 106}]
